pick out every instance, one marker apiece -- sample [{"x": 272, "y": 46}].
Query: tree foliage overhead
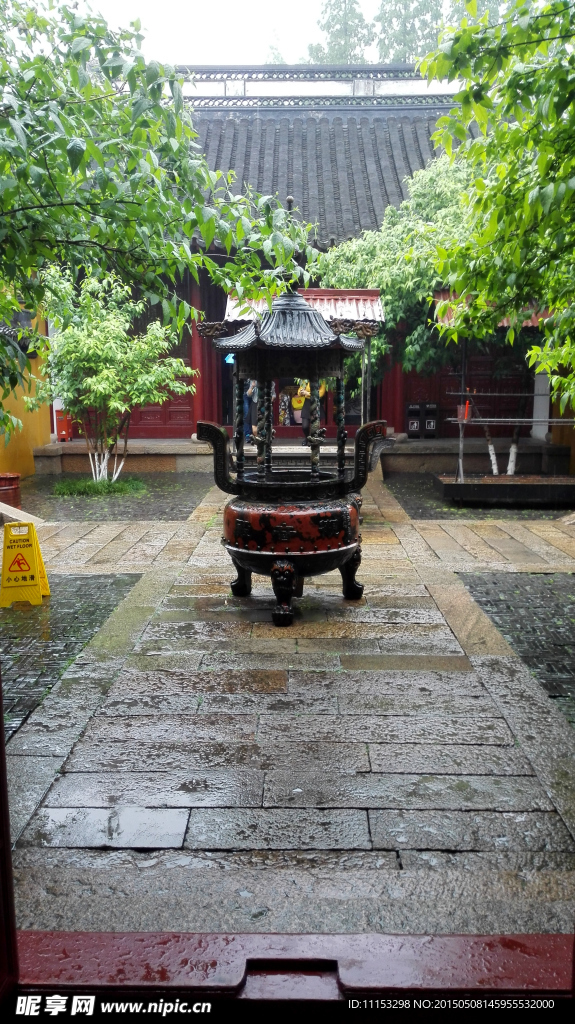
[
  {"x": 407, "y": 29},
  {"x": 400, "y": 260},
  {"x": 404, "y": 30},
  {"x": 347, "y": 34},
  {"x": 519, "y": 91},
  {"x": 99, "y": 170}
]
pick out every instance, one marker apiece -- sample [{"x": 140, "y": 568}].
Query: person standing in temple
[{"x": 305, "y": 393}]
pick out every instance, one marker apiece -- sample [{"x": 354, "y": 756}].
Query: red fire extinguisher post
[{"x": 63, "y": 425}]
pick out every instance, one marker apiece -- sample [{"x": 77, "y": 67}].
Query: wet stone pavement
[
  {"x": 38, "y": 643},
  {"x": 536, "y": 614},
  {"x": 416, "y": 494},
  {"x": 168, "y": 496},
  {"x": 384, "y": 765}
]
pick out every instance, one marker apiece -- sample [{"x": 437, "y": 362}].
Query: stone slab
[
  {"x": 371, "y": 790},
  {"x": 390, "y": 613},
  {"x": 540, "y": 728},
  {"x": 29, "y": 778},
  {"x": 454, "y": 759},
  {"x": 469, "y": 830},
  {"x": 180, "y": 682},
  {"x": 474, "y": 630},
  {"x": 385, "y": 729},
  {"x": 506, "y": 545},
  {"x": 271, "y": 829},
  {"x": 102, "y": 755},
  {"x": 231, "y": 788},
  {"x": 173, "y": 728},
  {"x": 39, "y": 742},
  {"x": 216, "y": 703},
  {"x": 369, "y": 627},
  {"x": 417, "y": 662},
  {"x": 308, "y": 660},
  {"x": 123, "y": 827},
  {"x": 178, "y": 632},
  {"x": 329, "y": 892},
  {"x": 383, "y": 683},
  {"x": 408, "y": 701},
  {"x": 531, "y": 540}
]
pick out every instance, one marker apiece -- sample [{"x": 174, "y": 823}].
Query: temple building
[{"x": 341, "y": 141}]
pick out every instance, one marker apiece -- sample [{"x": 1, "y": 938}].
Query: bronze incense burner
[{"x": 290, "y": 523}]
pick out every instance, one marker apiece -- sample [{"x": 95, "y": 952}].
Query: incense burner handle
[
  {"x": 370, "y": 434},
  {"x": 218, "y": 438}
]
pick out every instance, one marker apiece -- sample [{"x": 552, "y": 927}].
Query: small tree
[{"x": 100, "y": 370}]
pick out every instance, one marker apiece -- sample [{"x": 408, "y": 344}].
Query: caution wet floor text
[{"x": 23, "y": 573}]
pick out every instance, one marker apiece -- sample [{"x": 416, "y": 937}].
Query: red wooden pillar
[
  {"x": 399, "y": 398},
  {"x": 198, "y": 363},
  {"x": 329, "y": 412},
  {"x": 8, "y": 948}
]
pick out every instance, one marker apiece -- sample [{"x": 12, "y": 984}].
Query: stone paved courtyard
[
  {"x": 168, "y": 496},
  {"x": 385, "y": 765}
]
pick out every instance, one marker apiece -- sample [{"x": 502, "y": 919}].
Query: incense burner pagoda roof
[{"x": 291, "y": 324}]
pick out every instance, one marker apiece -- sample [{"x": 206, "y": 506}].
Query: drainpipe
[{"x": 540, "y": 406}]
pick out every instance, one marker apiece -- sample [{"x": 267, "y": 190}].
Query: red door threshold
[{"x": 296, "y": 966}]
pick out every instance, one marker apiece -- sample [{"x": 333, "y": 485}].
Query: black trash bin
[
  {"x": 413, "y": 420},
  {"x": 429, "y": 419}
]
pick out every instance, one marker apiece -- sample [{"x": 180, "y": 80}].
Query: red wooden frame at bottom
[{"x": 238, "y": 964}]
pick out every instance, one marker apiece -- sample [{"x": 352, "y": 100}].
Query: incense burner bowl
[{"x": 291, "y": 541}]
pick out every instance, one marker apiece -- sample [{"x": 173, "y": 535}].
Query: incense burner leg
[
  {"x": 352, "y": 591},
  {"x": 298, "y": 591},
  {"x": 284, "y": 582},
  {"x": 242, "y": 585}
]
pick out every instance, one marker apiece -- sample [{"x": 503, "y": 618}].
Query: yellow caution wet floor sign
[{"x": 23, "y": 573}]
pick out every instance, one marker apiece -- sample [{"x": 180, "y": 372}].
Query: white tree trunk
[
  {"x": 512, "y": 459},
  {"x": 493, "y": 457}
]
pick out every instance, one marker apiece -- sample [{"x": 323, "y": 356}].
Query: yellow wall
[{"x": 16, "y": 456}]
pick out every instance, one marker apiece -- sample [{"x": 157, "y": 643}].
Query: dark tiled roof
[
  {"x": 340, "y": 139},
  {"x": 341, "y": 170}
]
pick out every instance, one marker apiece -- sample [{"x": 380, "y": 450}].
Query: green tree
[
  {"x": 400, "y": 260},
  {"x": 347, "y": 34},
  {"x": 408, "y": 29},
  {"x": 100, "y": 369},
  {"x": 99, "y": 171},
  {"x": 274, "y": 56},
  {"x": 515, "y": 127}
]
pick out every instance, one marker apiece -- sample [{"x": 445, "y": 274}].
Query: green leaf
[
  {"x": 139, "y": 107},
  {"x": 18, "y": 129},
  {"x": 152, "y": 72},
  {"x": 178, "y": 96},
  {"x": 80, "y": 44},
  {"x": 75, "y": 150}
]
